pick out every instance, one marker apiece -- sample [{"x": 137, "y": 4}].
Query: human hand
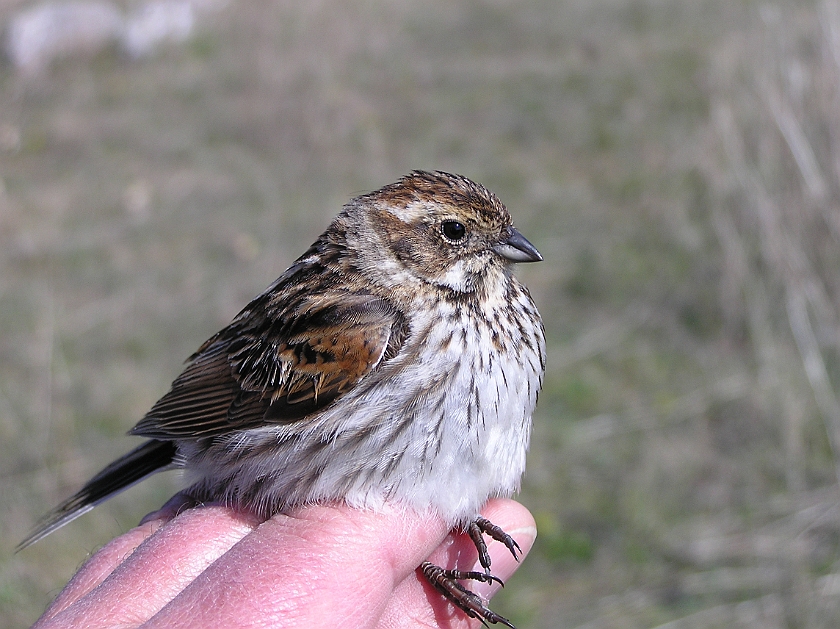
[{"x": 319, "y": 566}]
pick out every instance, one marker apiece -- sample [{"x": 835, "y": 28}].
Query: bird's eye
[{"x": 453, "y": 230}]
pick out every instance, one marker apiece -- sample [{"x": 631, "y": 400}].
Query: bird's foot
[{"x": 446, "y": 582}]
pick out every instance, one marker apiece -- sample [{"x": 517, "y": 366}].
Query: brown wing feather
[{"x": 279, "y": 368}]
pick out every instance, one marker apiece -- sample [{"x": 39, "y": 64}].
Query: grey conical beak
[{"x": 516, "y": 248}]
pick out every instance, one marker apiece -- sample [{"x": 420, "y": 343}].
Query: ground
[{"x": 672, "y": 160}]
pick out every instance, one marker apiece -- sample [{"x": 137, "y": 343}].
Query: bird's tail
[{"x": 153, "y": 456}]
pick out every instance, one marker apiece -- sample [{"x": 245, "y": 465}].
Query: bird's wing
[{"x": 277, "y": 365}]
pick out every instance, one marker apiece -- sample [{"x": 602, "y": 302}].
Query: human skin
[{"x": 318, "y": 566}]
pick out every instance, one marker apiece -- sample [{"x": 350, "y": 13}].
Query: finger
[
  {"x": 322, "y": 562},
  {"x": 99, "y": 566},
  {"x": 106, "y": 559},
  {"x": 158, "y": 569},
  {"x": 415, "y": 601}
]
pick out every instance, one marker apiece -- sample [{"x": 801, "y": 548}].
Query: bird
[{"x": 397, "y": 361}]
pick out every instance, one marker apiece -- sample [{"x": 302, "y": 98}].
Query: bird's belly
[{"x": 443, "y": 431}]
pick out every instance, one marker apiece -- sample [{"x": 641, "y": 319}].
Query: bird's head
[{"x": 439, "y": 229}]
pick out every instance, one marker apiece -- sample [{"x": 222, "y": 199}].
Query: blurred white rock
[
  {"x": 37, "y": 36},
  {"x": 155, "y": 23}
]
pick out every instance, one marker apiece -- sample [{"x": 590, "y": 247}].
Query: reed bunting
[{"x": 398, "y": 361}]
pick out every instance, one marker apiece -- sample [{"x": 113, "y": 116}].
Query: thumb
[{"x": 419, "y": 601}]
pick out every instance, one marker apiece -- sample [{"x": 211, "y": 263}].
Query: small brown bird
[{"x": 398, "y": 360}]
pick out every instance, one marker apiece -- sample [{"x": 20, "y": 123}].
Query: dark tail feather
[{"x": 153, "y": 456}]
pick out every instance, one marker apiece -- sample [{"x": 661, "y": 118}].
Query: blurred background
[{"x": 677, "y": 162}]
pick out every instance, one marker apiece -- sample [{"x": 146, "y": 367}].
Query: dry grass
[{"x": 676, "y": 164}]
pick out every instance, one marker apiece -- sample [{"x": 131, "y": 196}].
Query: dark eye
[{"x": 453, "y": 230}]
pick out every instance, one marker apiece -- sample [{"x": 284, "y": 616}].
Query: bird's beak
[{"x": 516, "y": 248}]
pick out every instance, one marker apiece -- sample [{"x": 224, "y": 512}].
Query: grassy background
[{"x": 675, "y": 163}]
